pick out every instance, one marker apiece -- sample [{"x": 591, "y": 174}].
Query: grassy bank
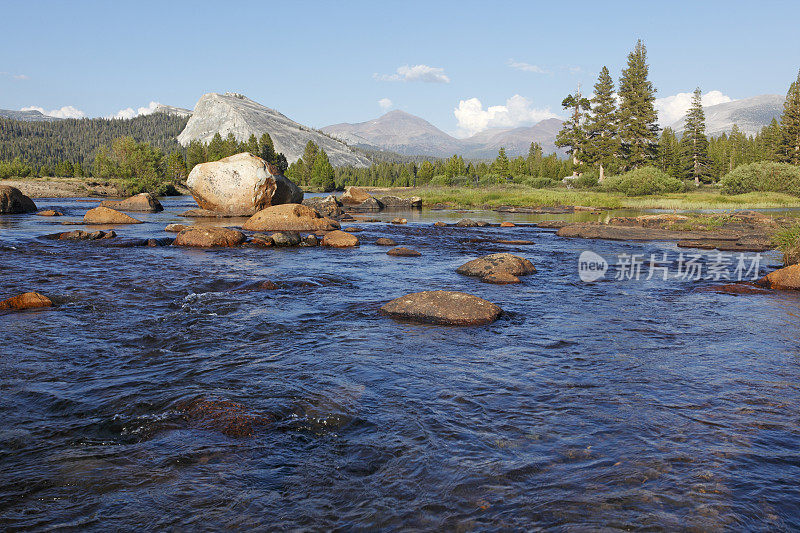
[{"x": 519, "y": 195}]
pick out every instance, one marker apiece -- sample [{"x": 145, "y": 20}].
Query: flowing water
[{"x": 167, "y": 390}]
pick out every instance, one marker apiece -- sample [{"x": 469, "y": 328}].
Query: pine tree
[
  {"x": 694, "y": 142},
  {"x": 573, "y": 134},
  {"x": 637, "y": 115},
  {"x": 216, "y": 148},
  {"x": 252, "y": 145},
  {"x": 195, "y": 154},
  {"x": 790, "y": 125},
  {"x": 668, "y": 159},
  {"x": 501, "y": 164},
  {"x": 266, "y": 150},
  {"x": 601, "y": 126},
  {"x": 322, "y": 173},
  {"x": 309, "y": 157},
  {"x": 176, "y": 167}
]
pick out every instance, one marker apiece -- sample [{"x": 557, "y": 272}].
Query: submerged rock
[
  {"x": 384, "y": 241},
  {"x": 399, "y": 220},
  {"x": 507, "y": 224},
  {"x": 469, "y": 223},
  {"x": 106, "y": 215},
  {"x": 241, "y": 184},
  {"x": 340, "y": 239},
  {"x": 496, "y": 264},
  {"x": 80, "y": 235},
  {"x": 786, "y": 278},
  {"x": 209, "y": 237},
  {"x": 50, "y": 213},
  {"x": 144, "y": 202},
  {"x": 229, "y": 418},
  {"x": 290, "y": 217},
  {"x": 13, "y": 202},
  {"x": 443, "y": 307},
  {"x": 402, "y": 251},
  {"x": 286, "y": 238},
  {"x": 175, "y": 228},
  {"x": 27, "y": 300}
]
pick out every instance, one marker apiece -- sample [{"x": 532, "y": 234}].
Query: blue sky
[{"x": 464, "y": 66}]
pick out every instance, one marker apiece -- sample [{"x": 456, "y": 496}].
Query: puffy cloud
[
  {"x": 422, "y": 73},
  {"x": 473, "y": 118},
  {"x": 385, "y": 103},
  {"x": 526, "y": 67},
  {"x": 129, "y": 112},
  {"x": 67, "y": 111},
  {"x": 672, "y": 108}
]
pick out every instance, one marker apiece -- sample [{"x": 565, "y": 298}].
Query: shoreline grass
[{"x": 522, "y": 196}]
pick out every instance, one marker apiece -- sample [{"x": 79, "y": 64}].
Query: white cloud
[
  {"x": 14, "y": 76},
  {"x": 422, "y": 73},
  {"x": 673, "y": 108},
  {"x": 129, "y": 112},
  {"x": 525, "y": 67},
  {"x": 385, "y": 103},
  {"x": 67, "y": 111},
  {"x": 473, "y": 118}
]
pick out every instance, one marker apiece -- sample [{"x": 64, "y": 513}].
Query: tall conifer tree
[
  {"x": 694, "y": 142},
  {"x": 601, "y": 126},
  {"x": 637, "y": 114},
  {"x": 790, "y": 125},
  {"x": 573, "y": 133}
]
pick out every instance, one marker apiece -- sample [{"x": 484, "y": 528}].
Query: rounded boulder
[
  {"x": 447, "y": 308},
  {"x": 339, "y": 239},
  {"x": 13, "y": 202},
  {"x": 290, "y": 217},
  {"x": 209, "y": 237}
]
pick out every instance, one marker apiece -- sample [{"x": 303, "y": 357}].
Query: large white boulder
[{"x": 241, "y": 184}]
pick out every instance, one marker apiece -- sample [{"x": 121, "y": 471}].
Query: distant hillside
[
  {"x": 171, "y": 110},
  {"x": 237, "y": 114},
  {"x": 397, "y": 131},
  {"x": 75, "y": 140},
  {"x": 749, "y": 114},
  {"x": 403, "y": 133},
  {"x": 27, "y": 116}
]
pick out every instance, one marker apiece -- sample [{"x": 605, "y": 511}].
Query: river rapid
[{"x": 620, "y": 404}]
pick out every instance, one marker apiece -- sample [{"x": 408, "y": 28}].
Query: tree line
[{"x": 617, "y": 132}]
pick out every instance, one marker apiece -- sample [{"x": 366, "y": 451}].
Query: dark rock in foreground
[
  {"x": 13, "y": 202},
  {"x": 447, "y": 308},
  {"x": 27, "y": 300}
]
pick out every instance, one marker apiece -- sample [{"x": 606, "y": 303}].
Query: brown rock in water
[
  {"x": 507, "y": 224},
  {"x": 395, "y": 202},
  {"x": 516, "y": 242},
  {"x": 443, "y": 307},
  {"x": 399, "y": 220},
  {"x": 494, "y": 264},
  {"x": 352, "y": 229},
  {"x": 144, "y": 202},
  {"x": 500, "y": 278},
  {"x": 734, "y": 288},
  {"x": 79, "y": 235},
  {"x": 290, "y": 217},
  {"x": 240, "y": 185},
  {"x": 339, "y": 239},
  {"x": 286, "y": 238},
  {"x": 310, "y": 240},
  {"x": 106, "y": 215},
  {"x": 370, "y": 204},
  {"x": 50, "y": 213},
  {"x": 440, "y": 224},
  {"x": 469, "y": 223},
  {"x": 27, "y": 300},
  {"x": 329, "y": 206},
  {"x": 786, "y": 278},
  {"x": 267, "y": 286},
  {"x": 355, "y": 196},
  {"x": 209, "y": 237},
  {"x": 402, "y": 251},
  {"x": 175, "y": 228},
  {"x": 13, "y": 202},
  {"x": 383, "y": 241},
  {"x": 229, "y": 418}
]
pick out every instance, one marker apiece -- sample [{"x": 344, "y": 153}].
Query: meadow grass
[{"x": 522, "y": 196}]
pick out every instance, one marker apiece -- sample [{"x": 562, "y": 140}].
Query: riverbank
[
  {"x": 52, "y": 187},
  {"x": 522, "y": 196}
]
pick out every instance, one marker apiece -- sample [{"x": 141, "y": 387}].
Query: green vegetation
[
  {"x": 790, "y": 125},
  {"x": 694, "y": 143},
  {"x": 643, "y": 181},
  {"x": 763, "y": 177},
  {"x": 138, "y": 167},
  {"x": 219, "y": 148},
  {"x": 787, "y": 240}
]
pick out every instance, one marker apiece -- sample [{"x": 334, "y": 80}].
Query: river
[{"x": 620, "y": 404}]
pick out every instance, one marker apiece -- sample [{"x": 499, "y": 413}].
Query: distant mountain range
[
  {"x": 404, "y": 133},
  {"x": 749, "y": 114},
  {"x": 27, "y": 116},
  {"x": 233, "y": 113}
]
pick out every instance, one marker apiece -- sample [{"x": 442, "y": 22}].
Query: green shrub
[
  {"x": 538, "y": 183},
  {"x": 762, "y": 177},
  {"x": 441, "y": 180},
  {"x": 587, "y": 180},
  {"x": 643, "y": 181}
]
